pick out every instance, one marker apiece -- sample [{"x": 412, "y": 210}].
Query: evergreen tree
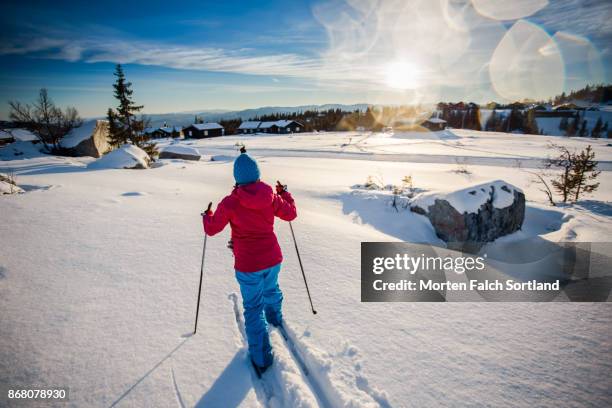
[
  {"x": 572, "y": 127},
  {"x": 531, "y": 125},
  {"x": 597, "y": 129},
  {"x": 116, "y": 135},
  {"x": 584, "y": 170},
  {"x": 583, "y": 129},
  {"x": 491, "y": 123},
  {"x": 127, "y": 126}
]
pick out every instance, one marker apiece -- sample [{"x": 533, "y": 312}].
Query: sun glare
[{"x": 402, "y": 75}]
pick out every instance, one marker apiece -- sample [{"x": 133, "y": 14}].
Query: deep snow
[{"x": 99, "y": 273}]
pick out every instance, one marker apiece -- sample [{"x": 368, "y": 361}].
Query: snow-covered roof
[
  {"x": 283, "y": 123},
  {"x": 21, "y": 135},
  {"x": 279, "y": 123},
  {"x": 170, "y": 129},
  {"x": 207, "y": 126},
  {"x": 266, "y": 125},
  {"x": 436, "y": 120},
  {"x": 249, "y": 125}
]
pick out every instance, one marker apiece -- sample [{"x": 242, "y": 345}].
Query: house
[
  {"x": 268, "y": 127},
  {"x": 164, "y": 131},
  {"x": 203, "y": 130},
  {"x": 435, "y": 124},
  {"x": 170, "y": 131},
  {"x": 279, "y": 126},
  {"x": 289, "y": 126},
  {"x": 248, "y": 127}
]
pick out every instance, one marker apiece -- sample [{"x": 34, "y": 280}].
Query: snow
[
  {"x": 266, "y": 125},
  {"x": 9, "y": 188},
  {"x": 180, "y": 149},
  {"x": 207, "y": 126},
  {"x": 20, "y": 150},
  {"x": 99, "y": 274},
  {"x": 21, "y": 135},
  {"x": 76, "y": 136},
  {"x": 249, "y": 125},
  {"x": 126, "y": 157},
  {"x": 469, "y": 200},
  {"x": 436, "y": 120}
]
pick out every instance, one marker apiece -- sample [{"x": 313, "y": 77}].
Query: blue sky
[{"x": 200, "y": 55}]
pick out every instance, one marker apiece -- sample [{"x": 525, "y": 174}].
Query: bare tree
[{"x": 43, "y": 118}]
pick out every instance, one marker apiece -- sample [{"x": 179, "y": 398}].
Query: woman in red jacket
[{"x": 250, "y": 210}]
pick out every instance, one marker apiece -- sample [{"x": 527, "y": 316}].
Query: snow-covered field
[{"x": 99, "y": 271}]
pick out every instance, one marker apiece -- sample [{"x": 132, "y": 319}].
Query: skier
[{"x": 250, "y": 210}]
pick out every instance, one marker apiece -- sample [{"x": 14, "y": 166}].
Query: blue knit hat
[{"x": 245, "y": 169}]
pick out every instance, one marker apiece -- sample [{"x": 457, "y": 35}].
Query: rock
[
  {"x": 179, "y": 152},
  {"x": 126, "y": 157},
  {"x": 467, "y": 219},
  {"x": 90, "y": 139}
]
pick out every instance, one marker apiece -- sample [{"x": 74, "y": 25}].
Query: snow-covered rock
[
  {"x": 176, "y": 151},
  {"x": 467, "y": 219},
  {"x": 126, "y": 157},
  {"x": 89, "y": 139},
  {"x": 8, "y": 185}
]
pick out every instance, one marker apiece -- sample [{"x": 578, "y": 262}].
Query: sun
[{"x": 402, "y": 75}]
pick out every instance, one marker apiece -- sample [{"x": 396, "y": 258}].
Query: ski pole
[
  {"x": 302, "y": 268},
  {"x": 195, "y": 328}
]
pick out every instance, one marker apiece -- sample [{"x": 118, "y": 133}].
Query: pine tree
[
  {"x": 491, "y": 123},
  {"x": 564, "y": 183},
  {"x": 531, "y": 125},
  {"x": 583, "y": 129},
  {"x": 596, "y": 132},
  {"x": 128, "y": 126},
  {"x": 572, "y": 127},
  {"x": 116, "y": 134},
  {"x": 584, "y": 170}
]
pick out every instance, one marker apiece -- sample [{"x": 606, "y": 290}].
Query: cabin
[
  {"x": 203, "y": 130},
  {"x": 248, "y": 127},
  {"x": 435, "y": 124},
  {"x": 289, "y": 126},
  {"x": 164, "y": 131},
  {"x": 268, "y": 127},
  {"x": 279, "y": 126}
]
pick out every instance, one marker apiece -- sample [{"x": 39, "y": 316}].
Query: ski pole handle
[{"x": 207, "y": 210}]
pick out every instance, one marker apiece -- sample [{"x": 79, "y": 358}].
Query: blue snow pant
[{"x": 262, "y": 300}]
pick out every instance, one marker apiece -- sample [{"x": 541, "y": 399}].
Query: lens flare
[
  {"x": 402, "y": 75},
  {"x": 527, "y": 64}
]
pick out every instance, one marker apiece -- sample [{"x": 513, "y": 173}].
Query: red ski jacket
[{"x": 250, "y": 211}]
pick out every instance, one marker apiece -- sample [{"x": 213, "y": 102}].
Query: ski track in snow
[
  {"x": 314, "y": 372},
  {"x": 179, "y": 398}
]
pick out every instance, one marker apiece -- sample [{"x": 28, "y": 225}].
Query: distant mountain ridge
[{"x": 187, "y": 118}]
